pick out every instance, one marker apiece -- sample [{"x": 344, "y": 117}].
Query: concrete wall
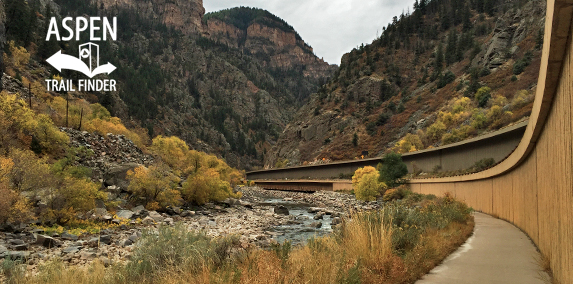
[
  {"x": 533, "y": 188},
  {"x": 458, "y": 156}
]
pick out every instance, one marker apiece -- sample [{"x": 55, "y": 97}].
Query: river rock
[
  {"x": 125, "y": 214},
  {"x": 315, "y": 225},
  {"x": 319, "y": 215},
  {"x": 187, "y": 213},
  {"x": 3, "y": 249},
  {"x": 281, "y": 210},
  {"x": 316, "y": 210}
]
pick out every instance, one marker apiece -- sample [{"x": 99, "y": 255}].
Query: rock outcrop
[{"x": 184, "y": 15}]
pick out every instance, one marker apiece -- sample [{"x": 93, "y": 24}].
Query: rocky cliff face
[
  {"x": 396, "y": 86},
  {"x": 184, "y": 15},
  {"x": 277, "y": 46}
]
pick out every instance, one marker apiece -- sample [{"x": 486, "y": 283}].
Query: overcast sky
[{"x": 331, "y": 27}]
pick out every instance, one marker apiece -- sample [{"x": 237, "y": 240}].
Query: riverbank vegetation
[
  {"x": 397, "y": 244},
  {"x": 42, "y": 177}
]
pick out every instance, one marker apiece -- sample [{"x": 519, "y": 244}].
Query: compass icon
[{"x": 89, "y": 53}]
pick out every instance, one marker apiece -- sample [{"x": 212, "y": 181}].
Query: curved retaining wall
[
  {"x": 462, "y": 155},
  {"x": 533, "y": 187}
]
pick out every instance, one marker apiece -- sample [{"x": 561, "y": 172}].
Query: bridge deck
[{"x": 305, "y": 185}]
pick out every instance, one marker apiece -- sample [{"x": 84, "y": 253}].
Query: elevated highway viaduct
[{"x": 533, "y": 186}]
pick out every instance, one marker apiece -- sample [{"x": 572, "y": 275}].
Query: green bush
[
  {"x": 483, "y": 95},
  {"x": 483, "y": 164},
  {"x": 392, "y": 169}
]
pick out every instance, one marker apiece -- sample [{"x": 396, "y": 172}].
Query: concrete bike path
[{"x": 497, "y": 252}]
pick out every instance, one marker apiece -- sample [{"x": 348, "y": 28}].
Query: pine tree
[
  {"x": 19, "y": 20},
  {"x": 47, "y": 48},
  {"x": 451, "y": 47},
  {"x": 466, "y": 15},
  {"x": 439, "y": 57}
]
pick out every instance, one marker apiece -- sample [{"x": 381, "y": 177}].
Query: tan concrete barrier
[{"x": 533, "y": 187}]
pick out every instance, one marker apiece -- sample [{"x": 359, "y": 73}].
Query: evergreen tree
[
  {"x": 451, "y": 47},
  {"x": 19, "y": 21},
  {"x": 47, "y": 48},
  {"x": 466, "y": 15},
  {"x": 439, "y": 57}
]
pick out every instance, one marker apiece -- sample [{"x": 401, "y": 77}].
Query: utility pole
[
  {"x": 30, "y": 95},
  {"x": 67, "y": 103},
  {"x": 81, "y": 117}
]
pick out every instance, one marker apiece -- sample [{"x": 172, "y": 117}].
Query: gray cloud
[{"x": 331, "y": 27}]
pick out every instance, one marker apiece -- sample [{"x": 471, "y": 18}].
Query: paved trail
[{"x": 497, "y": 252}]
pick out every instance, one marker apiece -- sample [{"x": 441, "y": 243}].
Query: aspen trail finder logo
[{"x": 88, "y": 60}]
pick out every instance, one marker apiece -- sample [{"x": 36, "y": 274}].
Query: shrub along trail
[{"x": 394, "y": 243}]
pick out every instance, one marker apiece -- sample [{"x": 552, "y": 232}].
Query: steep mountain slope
[
  {"x": 225, "y": 93},
  {"x": 449, "y": 71}
]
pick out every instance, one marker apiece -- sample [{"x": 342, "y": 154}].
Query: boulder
[
  {"x": 125, "y": 214},
  {"x": 127, "y": 243},
  {"x": 138, "y": 210},
  {"x": 105, "y": 239},
  {"x": 69, "y": 237},
  {"x": 3, "y": 249},
  {"x": 281, "y": 210},
  {"x": 72, "y": 249},
  {"x": 93, "y": 242},
  {"x": 102, "y": 214},
  {"x": 156, "y": 216},
  {"x": 16, "y": 242},
  {"x": 46, "y": 241},
  {"x": 148, "y": 221},
  {"x": 133, "y": 238},
  {"x": 117, "y": 175},
  {"x": 21, "y": 247}
]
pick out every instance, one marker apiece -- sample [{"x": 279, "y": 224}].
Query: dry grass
[{"x": 398, "y": 244}]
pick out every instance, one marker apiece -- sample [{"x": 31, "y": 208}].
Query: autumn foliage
[{"x": 366, "y": 184}]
